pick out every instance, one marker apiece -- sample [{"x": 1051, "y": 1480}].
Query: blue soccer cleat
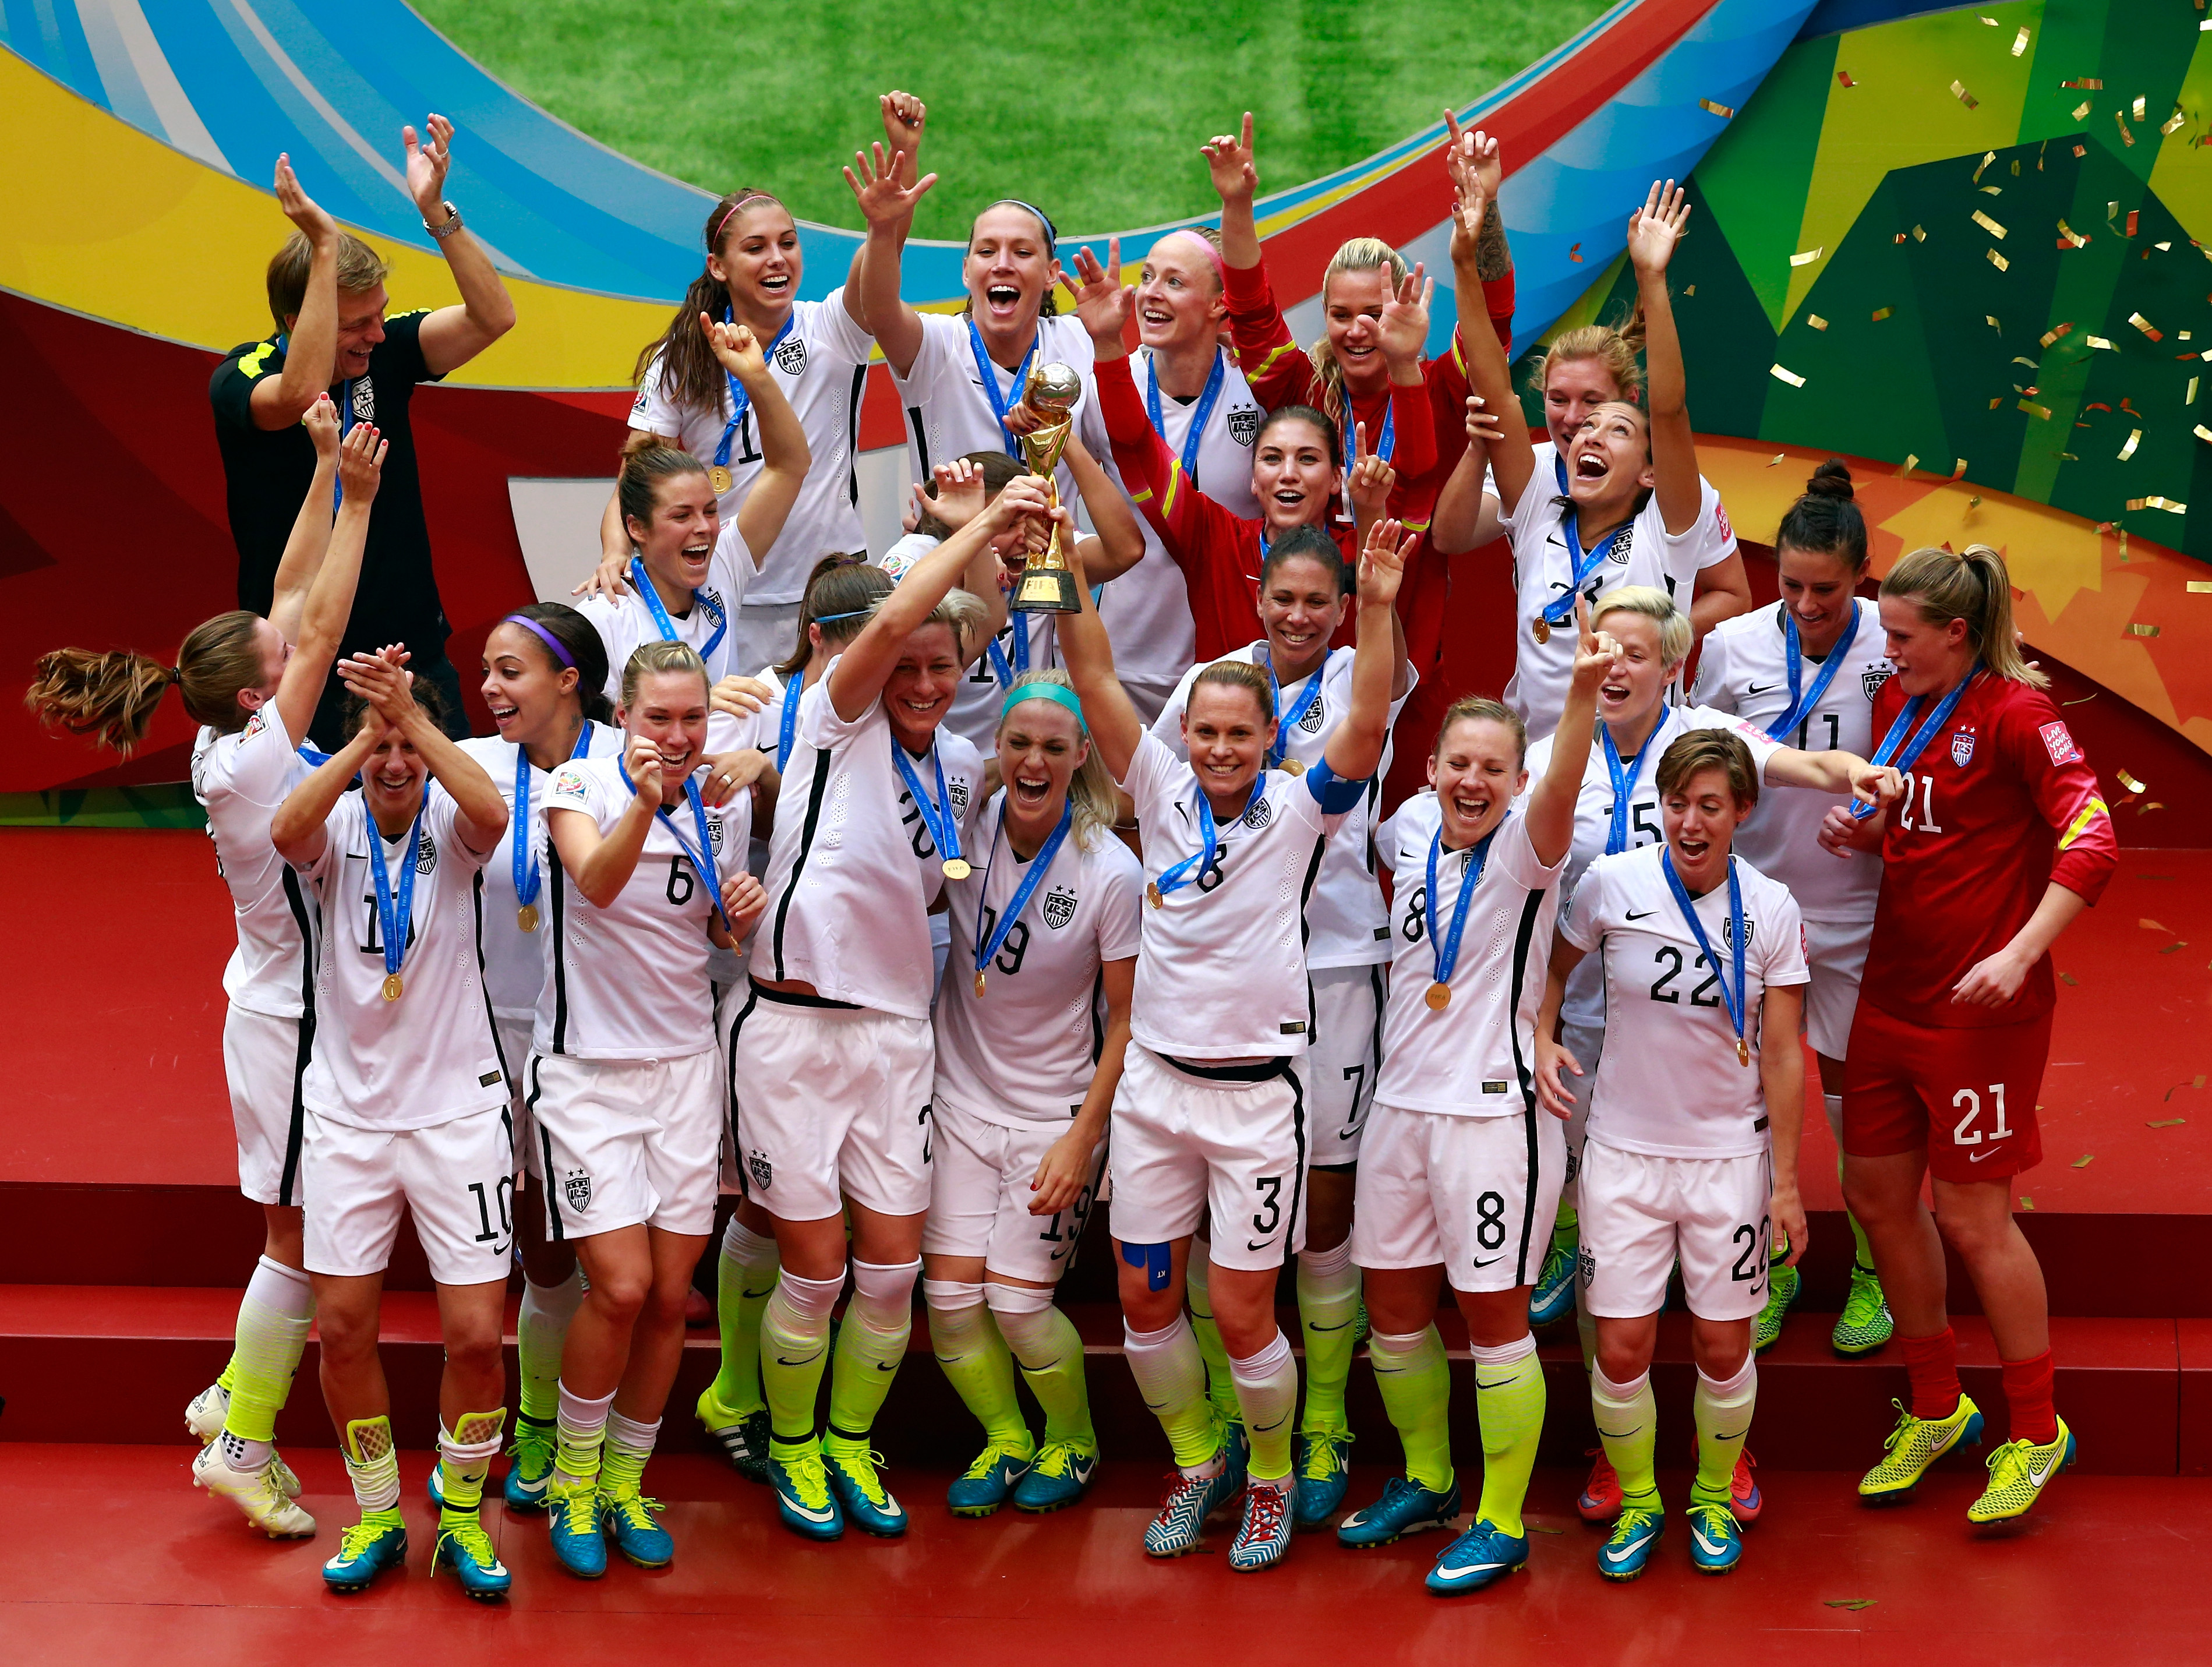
[
  {"x": 987, "y": 1483},
  {"x": 1716, "y": 1536},
  {"x": 632, "y": 1522},
  {"x": 1406, "y": 1508},
  {"x": 1322, "y": 1465},
  {"x": 573, "y": 1525},
  {"x": 1628, "y": 1549},
  {"x": 866, "y": 1503},
  {"x": 804, "y": 1503},
  {"x": 368, "y": 1549},
  {"x": 1482, "y": 1556},
  {"x": 467, "y": 1550},
  {"x": 1062, "y": 1475}
]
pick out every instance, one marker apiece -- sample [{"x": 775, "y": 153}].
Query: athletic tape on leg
[{"x": 1157, "y": 1260}]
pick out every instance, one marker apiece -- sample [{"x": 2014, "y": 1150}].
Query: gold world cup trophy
[{"x": 1048, "y": 583}]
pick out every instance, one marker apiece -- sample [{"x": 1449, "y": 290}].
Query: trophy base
[{"x": 1046, "y": 590}]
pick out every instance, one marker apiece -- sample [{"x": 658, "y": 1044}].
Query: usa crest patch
[
  {"x": 1244, "y": 424},
  {"x": 577, "y": 1187},
  {"x": 1727, "y": 932},
  {"x": 426, "y": 860},
  {"x": 1058, "y": 907},
  {"x": 761, "y": 1170},
  {"x": 2059, "y": 744},
  {"x": 1962, "y": 747},
  {"x": 791, "y": 357},
  {"x": 1260, "y": 815},
  {"x": 1871, "y": 682}
]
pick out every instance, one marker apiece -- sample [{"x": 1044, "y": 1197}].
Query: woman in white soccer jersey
[
  {"x": 1302, "y": 598},
  {"x": 1692, "y": 1149},
  {"x": 1211, "y": 1113},
  {"x": 544, "y": 670},
  {"x": 252, "y": 683},
  {"x": 1462, "y": 1171},
  {"x": 830, "y": 1057},
  {"x": 406, "y": 1102},
  {"x": 1031, "y": 1023},
  {"x": 1806, "y": 670},
  {"x": 625, "y": 1083}
]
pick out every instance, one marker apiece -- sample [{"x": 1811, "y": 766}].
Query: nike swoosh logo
[
  {"x": 809, "y": 1360},
  {"x": 1977, "y": 1157},
  {"x": 825, "y": 1514},
  {"x": 1630, "y": 1550},
  {"x": 887, "y": 1365},
  {"x": 2037, "y": 1478},
  {"x": 1641, "y": 913},
  {"x": 1255, "y": 1245},
  {"x": 1760, "y": 688},
  {"x": 1706, "y": 1545},
  {"x": 1733, "y": 1435},
  {"x": 1340, "y": 1325},
  {"x": 1478, "y": 1263},
  {"x": 1466, "y": 1573}
]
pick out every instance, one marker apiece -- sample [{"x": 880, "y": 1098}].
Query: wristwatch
[{"x": 453, "y": 223}]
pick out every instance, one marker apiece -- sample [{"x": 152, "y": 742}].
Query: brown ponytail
[
  {"x": 112, "y": 697},
  {"x": 691, "y": 374}
]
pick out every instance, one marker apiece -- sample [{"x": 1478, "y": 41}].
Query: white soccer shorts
[
  {"x": 1343, "y": 1059},
  {"x": 456, "y": 1179},
  {"x": 622, "y": 1141},
  {"x": 1184, "y": 1144},
  {"x": 263, "y": 1059},
  {"x": 1476, "y": 1193},
  {"x": 979, "y": 1196},
  {"x": 1640, "y": 1212},
  {"x": 833, "y": 1103},
  {"x": 1837, "y": 954}
]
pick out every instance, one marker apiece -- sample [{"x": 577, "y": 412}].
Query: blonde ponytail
[
  {"x": 1358, "y": 254},
  {"x": 1971, "y": 585}
]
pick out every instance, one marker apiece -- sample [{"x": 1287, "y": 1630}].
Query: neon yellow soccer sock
[
  {"x": 273, "y": 1317},
  {"x": 582, "y": 1434},
  {"x": 745, "y": 1275},
  {"x": 976, "y": 1361},
  {"x": 630, "y": 1445},
  {"x": 1221, "y": 1383},
  {"x": 540, "y": 1331},
  {"x": 1627, "y": 1423},
  {"x": 1328, "y": 1312},
  {"x": 872, "y": 1343},
  {"x": 1170, "y": 1375},
  {"x": 795, "y": 1348},
  {"x": 1268, "y": 1390},
  {"x": 1724, "y": 1413},
  {"x": 1509, "y": 1398},
  {"x": 463, "y": 1456},
  {"x": 1416, "y": 1385},
  {"x": 1048, "y": 1349}
]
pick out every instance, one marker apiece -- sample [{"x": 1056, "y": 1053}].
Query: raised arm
[
  {"x": 1512, "y": 457},
  {"x": 311, "y": 528},
  {"x": 311, "y": 345},
  {"x": 1277, "y": 370},
  {"x": 379, "y": 680},
  {"x": 1119, "y": 544},
  {"x": 1235, "y": 178},
  {"x": 601, "y": 864},
  {"x": 452, "y": 336},
  {"x": 300, "y": 829},
  {"x": 1466, "y": 515},
  {"x": 329, "y": 602},
  {"x": 1355, "y": 749},
  {"x": 887, "y": 204},
  {"x": 1653, "y": 232},
  {"x": 1115, "y": 728},
  {"x": 1551, "y": 806},
  {"x": 959, "y": 501},
  {"x": 784, "y": 454}
]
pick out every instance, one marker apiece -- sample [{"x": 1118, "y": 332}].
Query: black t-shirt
[{"x": 267, "y": 472}]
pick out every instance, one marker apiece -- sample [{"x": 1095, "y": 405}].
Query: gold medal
[
  {"x": 979, "y": 983},
  {"x": 1742, "y": 1051},
  {"x": 956, "y": 867},
  {"x": 392, "y": 986},
  {"x": 720, "y": 479},
  {"x": 1294, "y": 767},
  {"x": 1152, "y": 895},
  {"x": 1439, "y": 997},
  {"x": 527, "y": 917},
  {"x": 1541, "y": 629}
]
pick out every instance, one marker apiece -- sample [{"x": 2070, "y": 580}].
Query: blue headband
[
  {"x": 1059, "y": 693},
  {"x": 1051, "y": 231}
]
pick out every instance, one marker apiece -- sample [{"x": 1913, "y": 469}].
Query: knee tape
[{"x": 1157, "y": 1260}]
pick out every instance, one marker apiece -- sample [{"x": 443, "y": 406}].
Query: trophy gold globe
[{"x": 1048, "y": 583}]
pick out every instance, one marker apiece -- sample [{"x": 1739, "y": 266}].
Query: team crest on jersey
[
  {"x": 1260, "y": 814},
  {"x": 710, "y": 598},
  {"x": 2060, "y": 744},
  {"x": 1625, "y": 545},
  {"x": 364, "y": 400},
  {"x": 576, "y": 1187},
  {"x": 1871, "y": 682},
  {"x": 1313, "y": 718},
  {"x": 1962, "y": 747},
  {"x": 1244, "y": 424},
  {"x": 761, "y": 1170},
  {"x": 426, "y": 860},
  {"x": 957, "y": 791},
  {"x": 714, "y": 834},
  {"x": 260, "y": 721},
  {"x": 1058, "y": 907},
  {"x": 791, "y": 357},
  {"x": 1727, "y": 934}
]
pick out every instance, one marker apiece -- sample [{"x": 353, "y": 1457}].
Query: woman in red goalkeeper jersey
[{"x": 1999, "y": 839}]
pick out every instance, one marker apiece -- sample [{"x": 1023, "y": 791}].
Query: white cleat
[
  {"x": 203, "y": 1418},
  {"x": 260, "y": 1494}
]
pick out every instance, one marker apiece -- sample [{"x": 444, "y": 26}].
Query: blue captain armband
[
  {"x": 1331, "y": 792},
  {"x": 1157, "y": 1261}
]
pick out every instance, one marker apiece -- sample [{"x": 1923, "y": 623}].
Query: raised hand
[
  {"x": 959, "y": 497},
  {"x": 1656, "y": 227},
  {"x": 300, "y": 209},
  {"x": 1229, "y": 162},
  {"x": 1472, "y": 159},
  {"x": 383, "y": 681},
  {"x": 1382, "y": 561},
  {"x": 1596, "y": 652},
  {"x": 881, "y": 186},
  {"x": 736, "y": 348},
  {"x": 360, "y": 462},
  {"x": 904, "y": 116},
  {"x": 729, "y": 774},
  {"x": 1024, "y": 495},
  {"x": 427, "y": 163},
  {"x": 1482, "y": 423},
  {"x": 1368, "y": 484},
  {"x": 1100, "y": 301},
  {"x": 321, "y": 423},
  {"x": 642, "y": 759},
  {"x": 1404, "y": 326}
]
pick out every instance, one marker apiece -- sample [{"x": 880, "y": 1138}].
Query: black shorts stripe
[
  {"x": 1298, "y": 1137},
  {"x": 853, "y": 435},
  {"x": 919, "y": 430},
  {"x": 1305, "y": 937},
  {"x": 287, "y": 1184},
  {"x": 557, "y": 895},
  {"x": 1523, "y": 936},
  {"x": 545, "y": 1147},
  {"x": 491, "y": 1019},
  {"x": 737, "y": 1145},
  {"x": 817, "y": 791}
]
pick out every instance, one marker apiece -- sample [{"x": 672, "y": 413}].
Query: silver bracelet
[{"x": 453, "y": 224}]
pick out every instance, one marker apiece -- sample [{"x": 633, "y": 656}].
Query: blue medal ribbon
[
  {"x": 1183, "y": 873},
  {"x": 1206, "y": 401},
  {"x": 1802, "y": 704},
  {"x": 1386, "y": 448},
  {"x": 740, "y": 401},
  {"x": 1732, "y": 999},
  {"x": 395, "y": 913},
  {"x": 527, "y": 879},
  {"x": 643, "y": 585},
  {"x": 702, "y": 860},
  {"x": 1891, "y": 752},
  {"x": 1624, "y": 782},
  {"x": 1000, "y": 668},
  {"x": 987, "y": 373},
  {"x": 315, "y": 756},
  {"x": 1030, "y": 881},
  {"x": 1445, "y": 945},
  {"x": 787, "y": 721},
  {"x": 1561, "y": 609},
  {"x": 936, "y": 813},
  {"x": 1304, "y": 702}
]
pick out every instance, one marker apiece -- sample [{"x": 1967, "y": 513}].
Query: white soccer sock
[
  {"x": 273, "y": 1318},
  {"x": 1170, "y": 1375},
  {"x": 539, "y": 1333},
  {"x": 583, "y": 1422}
]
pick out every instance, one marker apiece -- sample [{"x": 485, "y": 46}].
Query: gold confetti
[
  {"x": 2072, "y": 236},
  {"x": 1788, "y": 376},
  {"x": 2081, "y": 110},
  {"x": 1990, "y": 319},
  {"x": 1988, "y": 224},
  {"x": 2190, "y": 399},
  {"x": 2085, "y": 84},
  {"x": 2142, "y": 630},
  {"x": 1805, "y": 258},
  {"x": 2149, "y": 924},
  {"x": 2172, "y": 506},
  {"x": 2171, "y": 948},
  {"x": 2144, "y": 324},
  {"x": 1987, "y": 156},
  {"x": 2126, "y": 137},
  {"x": 2085, "y": 1160},
  {"x": 2202, "y": 432},
  {"x": 2055, "y": 332},
  {"x": 2017, "y": 360},
  {"x": 1919, "y": 235},
  {"x": 1911, "y": 462},
  {"x": 2041, "y": 413},
  {"x": 2172, "y": 124},
  {"x": 2127, "y": 451},
  {"x": 1854, "y": 1602},
  {"x": 2027, "y": 1203},
  {"x": 2099, "y": 341},
  {"x": 1964, "y": 97},
  {"x": 2167, "y": 1123},
  {"x": 1692, "y": 290},
  {"x": 2082, "y": 150},
  {"x": 2129, "y": 782},
  {"x": 1816, "y": 321},
  {"x": 2020, "y": 41},
  {"x": 1999, "y": 261},
  {"x": 2071, "y": 979},
  {"x": 2200, "y": 586},
  {"x": 1992, "y": 190},
  {"x": 1881, "y": 312},
  {"x": 1991, "y": 21},
  {"x": 1723, "y": 110},
  {"x": 1776, "y": 458},
  {"x": 2139, "y": 106},
  {"x": 1993, "y": 404}
]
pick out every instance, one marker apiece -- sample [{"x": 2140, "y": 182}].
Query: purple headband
[{"x": 544, "y": 636}]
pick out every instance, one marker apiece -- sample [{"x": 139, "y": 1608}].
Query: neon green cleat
[
  {"x": 1864, "y": 1325},
  {"x": 1913, "y": 1446},
  {"x": 1782, "y": 1285},
  {"x": 2018, "y": 1470}
]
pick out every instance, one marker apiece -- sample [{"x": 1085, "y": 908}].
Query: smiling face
[
  {"x": 670, "y": 710},
  {"x": 1008, "y": 269},
  {"x": 1227, "y": 732},
  {"x": 1040, "y": 746},
  {"x": 528, "y": 695},
  {"x": 1476, "y": 771},
  {"x": 1179, "y": 299},
  {"x": 758, "y": 261},
  {"x": 360, "y": 327},
  {"x": 1573, "y": 388},
  {"x": 1817, "y": 586},
  {"x": 679, "y": 547},
  {"x": 1700, "y": 818},
  {"x": 918, "y": 692},
  {"x": 1609, "y": 459},
  {"x": 1291, "y": 474},
  {"x": 392, "y": 776},
  {"x": 1300, "y": 609},
  {"x": 1352, "y": 313},
  {"x": 1634, "y": 685},
  {"x": 1929, "y": 657}
]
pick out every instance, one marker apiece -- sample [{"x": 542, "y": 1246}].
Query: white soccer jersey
[
  {"x": 852, "y": 868},
  {"x": 821, "y": 366},
  {"x": 1022, "y": 1051},
  {"x": 239, "y": 780},
  {"x": 433, "y": 1054},
  {"x": 980, "y": 696},
  {"x": 1476, "y": 1057},
  {"x": 625, "y": 622},
  {"x": 1645, "y": 554},
  {"x": 1742, "y": 670},
  {"x": 1222, "y": 971},
  {"x": 630, "y": 981},
  {"x": 948, "y": 414},
  {"x": 1347, "y": 925},
  {"x": 1669, "y": 1084},
  {"x": 1585, "y": 999},
  {"x": 514, "y": 960}
]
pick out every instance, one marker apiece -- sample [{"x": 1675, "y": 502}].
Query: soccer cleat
[
  {"x": 1913, "y": 1446},
  {"x": 987, "y": 1483},
  {"x": 1553, "y": 1297},
  {"x": 1482, "y": 1556},
  {"x": 1745, "y": 1500},
  {"x": 467, "y": 1550},
  {"x": 573, "y": 1525},
  {"x": 532, "y": 1451},
  {"x": 1864, "y": 1325},
  {"x": 1601, "y": 1496},
  {"x": 1636, "y": 1530},
  {"x": 1782, "y": 1285},
  {"x": 2018, "y": 1470},
  {"x": 1264, "y": 1536},
  {"x": 368, "y": 1549},
  {"x": 630, "y": 1520},
  {"x": 1716, "y": 1538},
  {"x": 1406, "y": 1508},
  {"x": 1188, "y": 1501},
  {"x": 260, "y": 1493},
  {"x": 860, "y": 1492},
  {"x": 804, "y": 1502},
  {"x": 205, "y": 1416},
  {"x": 742, "y": 1436},
  {"x": 1061, "y": 1476},
  {"x": 1322, "y": 1465},
  {"x": 436, "y": 1488}
]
